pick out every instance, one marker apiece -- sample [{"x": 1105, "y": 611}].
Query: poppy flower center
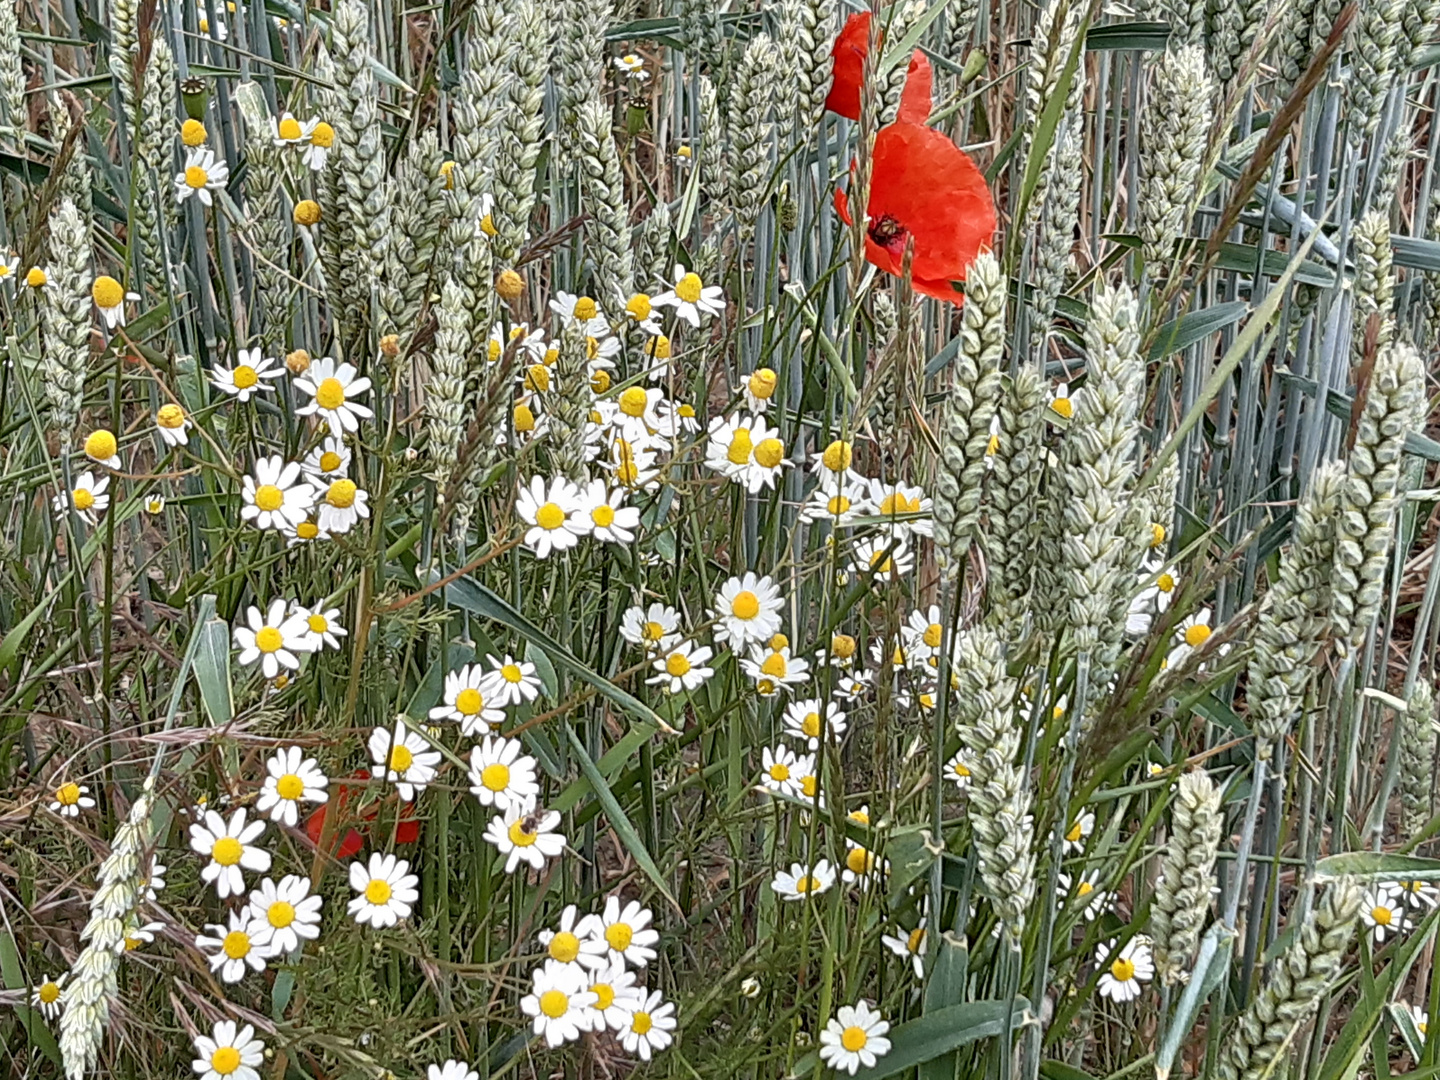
[{"x": 889, "y": 233}]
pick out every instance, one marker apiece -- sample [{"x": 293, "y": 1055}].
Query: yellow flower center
[
  {"x": 600, "y": 381},
  {"x": 68, "y": 794},
  {"x": 289, "y": 128},
  {"x": 688, "y": 288},
  {"x": 1122, "y": 970},
  {"x": 378, "y": 891},
  {"x": 811, "y": 725},
  {"x": 658, "y": 347},
  {"x": 746, "y": 605},
  {"x": 35, "y": 277},
  {"x": 770, "y": 452},
  {"x": 493, "y": 350},
  {"x": 837, "y": 456},
  {"x": 809, "y": 785},
  {"x": 280, "y": 914},
  {"x": 854, "y": 1038},
  {"x": 585, "y": 309},
  {"x": 487, "y": 225},
  {"x": 1063, "y": 406},
  {"x": 550, "y": 516},
  {"x": 237, "y": 944},
  {"x": 652, "y": 631},
  {"x": 107, "y": 292},
  {"x": 843, "y": 646},
  {"x": 1157, "y": 534},
  {"x": 1197, "y": 635},
  {"x": 519, "y": 835},
  {"x": 779, "y": 772},
  {"x": 323, "y": 135},
  {"x": 523, "y": 418},
  {"x": 307, "y": 212},
  {"x": 49, "y": 993},
  {"x": 468, "y": 702},
  {"x": 244, "y": 377},
  {"x": 1165, "y": 583},
  {"x": 619, "y": 935},
  {"x": 603, "y": 515},
  {"x": 859, "y": 861},
  {"x": 1075, "y": 833},
  {"x": 268, "y": 639},
  {"x": 170, "y": 416},
  {"x": 551, "y": 355},
  {"x": 554, "y": 1003},
  {"x": 511, "y": 673},
  {"x": 269, "y": 498},
  {"x": 495, "y": 777},
  {"x": 633, "y": 401},
  {"x": 779, "y": 641},
  {"x": 227, "y": 851},
  {"x": 638, "y": 307},
  {"x": 196, "y": 176},
  {"x": 564, "y": 947},
  {"x": 307, "y": 530},
  {"x": 1382, "y": 915},
  {"x": 341, "y": 494},
  {"x": 775, "y": 666},
  {"x": 290, "y": 787},
  {"x": 641, "y": 1023},
  {"x": 100, "y": 445},
  {"x": 1084, "y": 889},
  {"x": 897, "y": 503},
  {"x": 604, "y": 995},
  {"x": 762, "y": 383},
  {"x": 880, "y": 563},
  {"x": 740, "y": 447},
  {"x": 806, "y": 884},
  {"x": 330, "y": 394},
  {"x": 192, "y": 133},
  {"x": 677, "y": 664},
  {"x": 992, "y": 447},
  {"x": 537, "y": 377},
  {"x": 225, "y": 1060},
  {"x": 401, "y": 758},
  {"x": 932, "y": 634},
  {"x": 916, "y": 940},
  {"x": 318, "y": 623}
]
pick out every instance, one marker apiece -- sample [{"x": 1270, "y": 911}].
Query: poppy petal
[
  {"x": 848, "y": 72},
  {"x": 916, "y": 98}
]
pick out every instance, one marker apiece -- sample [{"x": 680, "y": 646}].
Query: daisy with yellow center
[
  {"x": 616, "y": 994},
  {"x": 46, "y": 996},
  {"x": 899, "y": 504},
  {"x": 775, "y": 666},
  {"x": 1384, "y": 913},
  {"x": 524, "y": 833},
  {"x": 759, "y": 389},
  {"x": 908, "y": 945},
  {"x": 287, "y": 131},
  {"x": 854, "y": 1038},
  {"x": 386, "y": 891},
  {"x": 172, "y": 425},
  {"x": 333, "y": 390},
  {"x": 811, "y": 720},
  {"x": 404, "y": 758},
  {"x": 289, "y": 910},
  {"x": 228, "y": 1053},
  {"x": 1060, "y": 404},
  {"x": 110, "y": 298},
  {"x": 230, "y": 847},
  {"x": 291, "y": 779},
  {"x": 560, "y": 1002},
  {"x": 605, "y": 516},
  {"x": 251, "y": 375},
  {"x": 510, "y": 681},
  {"x": 88, "y": 498},
  {"x": 691, "y": 298},
  {"x": 466, "y": 701},
  {"x": 242, "y": 945},
  {"x": 803, "y": 883},
  {"x": 274, "y": 494},
  {"x": 501, "y": 775},
  {"x": 552, "y": 513},
  {"x": 632, "y": 67},
  {"x": 781, "y": 769},
  {"x": 1124, "y": 973},
  {"x": 203, "y": 174},
  {"x": 342, "y": 506},
  {"x": 574, "y": 941},
  {"x": 322, "y": 138},
  {"x": 747, "y": 610},
  {"x": 10, "y": 266},
  {"x": 651, "y": 1025},
  {"x": 655, "y": 629},
  {"x": 70, "y": 798},
  {"x": 683, "y": 668}
]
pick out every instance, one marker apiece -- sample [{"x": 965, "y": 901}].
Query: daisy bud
[
  {"x": 509, "y": 285},
  {"x": 307, "y": 212},
  {"x": 390, "y": 345},
  {"x": 192, "y": 133},
  {"x": 297, "y": 362}
]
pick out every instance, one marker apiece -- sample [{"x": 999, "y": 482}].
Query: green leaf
[
  {"x": 1051, "y": 1069},
  {"x": 936, "y": 1033},
  {"x": 427, "y": 694},
  {"x": 1243, "y": 258},
  {"x": 212, "y": 666},
  {"x": 475, "y": 598},
  {"x": 30, "y": 1019},
  {"x": 1415, "y": 253},
  {"x": 618, "y": 819},
  {"x": 1376, "y": 866},
  {"x": 1127, "y": 36},
  {"x": 1405, "y": 1023},
  {"x": 1193, "y": 326},
  {"x": 1210, "y": 967}
]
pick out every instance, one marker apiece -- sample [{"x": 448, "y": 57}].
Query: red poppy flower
[
  {"x": 349, "y": 842},
  {"x": 849, "y": 52},
  {"x": 923, "y": 185}
]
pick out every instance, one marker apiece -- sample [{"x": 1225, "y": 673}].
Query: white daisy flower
[
  {"x": 853, "y": 1037},
  {"x": 388, "y": 891},
  {"x": 136, "y": 935},
  {"x": 172, "y": 424},
  {"x": 328, "y": 461},
  {"x": 234, "y": 949},
  {"x": 691, "y": 297},
  {"x": 759, "y": 389},
  {"x": 287, "y": 131},
  {"x": 616, "y": 995},
  {"x": 1384, "y": 912},
  {"x": 781, "y": 769},
  {"x": 1079, "y": 832},
  {"x": 500, "y": 775},
  {"x": 9, "y": 265},
  {"x": 841, "y": 653},
  {"x": 469, "y": 701},
  {"x": 632, "y": 67},
  {"x": 70, "y": 798},
  {"x": 908, "y": 944},
  {"x": 650, "y": 1027},
  {"x": 957, "y": 770},
  {"x": 322, "y": 138},
  {"x": 635, "y": 414},
  {"x": 605, "y": 516},
  {"x": 801, "y": 883},
  {"x": 836, "y": 503},
  {"x": 775, "y": 670},
  {"x": 403, "y": 758},
  {"x": 1061, "y": 404},
  {"x": 747, "y": 610},
  {"x": 626, "y": 931},
  {"x": 573, "y": 942},
  {"x": 510, "y": 681},
  {"x": 274, "y": 638},
  {"x": 655, "y": 629},
  {"x": 1417, "y": 894},
  {"x": 303, "y": 533},
  {"x": 102, "y": 448},
  {"x": 228, "y": 1054},
  {"x": 291, "y": 779},
  {"x": 561, "y": 1002},
  {"x": 451, "y": 1070},
  {"x": 804, "y": 720},
  {"x": 88, "y": 498},
  {"x": 884, "y": 558},
  {"x": 833, "y": 464},
  {"x": 289, "y": 909},
  {"x": 1092, "y": 902},
  {"x": 1195, "y": 630},
  {"x": 152, "y": 881},
  {"x": 332, "y": 391},
  {"x": 853, "y": 687},
  {"x": 342, "y": 506},
  {"x": 251, "y": 375},
  {"x": 894, "y": 501},
  {"x": 230, "y": 846},
  {"x": 110, "y": 298},
  {"x": 554, "y": 514},
  {"x": 767, "y": 464},
  {"x": 1126, "y": 971},
  {"x": 682, "y": 668},
  {"x": 322, "y": 627},
  {"x": 46, "y": 996},
  {"x": 582, "y": 310},
  {"x": 862, "y": 866},
  {"x": 525, "y": 834},
  {"x": 274, "y": 494},
  {"x": 203, "y": 174}
]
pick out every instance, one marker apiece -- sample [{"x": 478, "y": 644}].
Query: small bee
[{"x": 530, "y": 823}]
